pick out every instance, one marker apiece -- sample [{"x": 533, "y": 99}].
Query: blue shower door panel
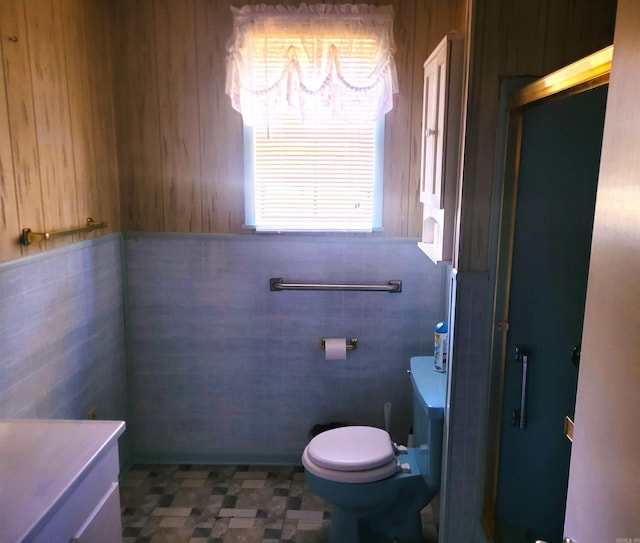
[{"x": 557, "y": 182}]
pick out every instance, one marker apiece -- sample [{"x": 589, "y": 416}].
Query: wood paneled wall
[
  {"x": 57, "y": 141},
  {"x": 180, "y": 142},
  {"x": 515, "y": 38},
  {"x": 178, "y": 139}
]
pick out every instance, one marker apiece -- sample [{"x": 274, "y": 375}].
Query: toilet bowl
[{"x": 377, "y": 493}]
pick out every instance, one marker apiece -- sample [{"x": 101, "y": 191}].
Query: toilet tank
[{"x": 429, "y": 396}]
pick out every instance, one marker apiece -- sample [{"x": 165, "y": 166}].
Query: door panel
[
  {"x": 603, "y": 504},
  {"x": 557, "y": 180}
]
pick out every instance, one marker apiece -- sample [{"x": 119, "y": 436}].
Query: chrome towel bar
[
  {"x": 277, "y": 283},
  {"x": 90, "y": 226}
]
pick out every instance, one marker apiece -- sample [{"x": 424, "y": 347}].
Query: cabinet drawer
[
  {"x": 103, "y": 524},
  {"x": 71, "y": 514}
]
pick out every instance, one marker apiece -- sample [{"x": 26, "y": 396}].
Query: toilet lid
[
  {"x": 361, "y": 476},
  {"x": 351, "y": 448}
]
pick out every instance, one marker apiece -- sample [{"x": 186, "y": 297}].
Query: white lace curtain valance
[{"x": 319, "y": 61}]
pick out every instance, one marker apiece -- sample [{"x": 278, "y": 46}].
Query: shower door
[{"x": 556, "y": 153}]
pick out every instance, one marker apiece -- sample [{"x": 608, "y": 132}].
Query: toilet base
[
  {"x": 349, "y": 526},
  {"x": 385, "y": 511}
]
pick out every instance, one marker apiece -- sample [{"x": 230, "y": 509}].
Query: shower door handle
[{"x": 522, "y": 353}]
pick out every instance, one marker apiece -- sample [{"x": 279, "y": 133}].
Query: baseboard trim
[{"x": 217, "y": 457}]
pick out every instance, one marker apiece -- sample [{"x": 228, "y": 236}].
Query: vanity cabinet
[
  {"x": 60, "y": 481},
  {"x": 440, "y": 150}
]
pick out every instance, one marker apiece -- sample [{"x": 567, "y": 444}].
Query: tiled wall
[
  {"x": 62, "y": 334},
  {"x": 461, "y": 502},
  {"x": 221, "y": 368}
]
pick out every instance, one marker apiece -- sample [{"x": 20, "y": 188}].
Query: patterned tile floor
[{"x": 227, "y": 504}]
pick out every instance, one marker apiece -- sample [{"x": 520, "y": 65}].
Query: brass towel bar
[
  {"x": 277, "y": 283},
  {"x": 27, "y": 234}
]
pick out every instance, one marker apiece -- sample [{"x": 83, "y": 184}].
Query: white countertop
[{"x": 41, "y": 462}]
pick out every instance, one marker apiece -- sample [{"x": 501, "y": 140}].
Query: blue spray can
[{"x": 440, "y": 346}]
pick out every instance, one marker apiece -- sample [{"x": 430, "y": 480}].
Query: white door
[{"x": 603, "y": 502}]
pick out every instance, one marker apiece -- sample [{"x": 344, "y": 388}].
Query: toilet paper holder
[{"x": 352, "y": 343}]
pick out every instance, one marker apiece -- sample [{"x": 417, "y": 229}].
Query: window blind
[{"x": 314, "y": 177}]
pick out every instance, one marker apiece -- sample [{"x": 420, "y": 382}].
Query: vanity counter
[{"x": 58, "y": 478}]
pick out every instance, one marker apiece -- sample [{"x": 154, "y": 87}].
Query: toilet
[{"x": 377, "y": 490}]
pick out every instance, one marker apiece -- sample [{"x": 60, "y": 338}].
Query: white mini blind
[{"x": 315, "y": 176}]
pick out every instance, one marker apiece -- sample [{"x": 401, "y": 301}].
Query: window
[
  {"x": 313, "y": 85},
  {"x": 314, "y": 176}
]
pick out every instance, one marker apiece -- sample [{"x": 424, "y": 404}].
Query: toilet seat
[
  {"x": 351, "y": 448},
  {"x": 352, "y": 454}
]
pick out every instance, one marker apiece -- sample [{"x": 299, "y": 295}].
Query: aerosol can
[{"x": 440, "y": 346}]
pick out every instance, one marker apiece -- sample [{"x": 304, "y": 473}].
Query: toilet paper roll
[{"x": 335, "y": 348}]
